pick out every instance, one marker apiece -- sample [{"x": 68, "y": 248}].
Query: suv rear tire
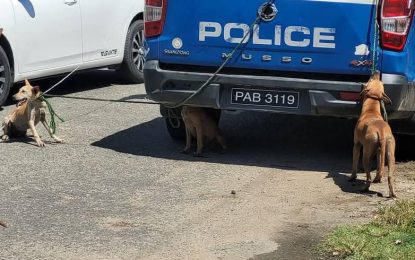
[
  {"x": 5, "y": 76},
  {"x": 133, "y": 63}
]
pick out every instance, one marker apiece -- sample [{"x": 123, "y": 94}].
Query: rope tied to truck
[
  {"x": 375, "y": 55},
  {"x": 212, "y": 77},
  {"x": 171, "y": 108}
]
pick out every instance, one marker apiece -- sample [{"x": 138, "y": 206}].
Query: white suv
[{"x": 50, "y": 37}]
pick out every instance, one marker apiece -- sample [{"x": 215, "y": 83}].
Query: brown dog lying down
[
  {"x": 375, "y": 135},
  {"x": 201, "y": 125},
  {"x": 28, "y": 112}
]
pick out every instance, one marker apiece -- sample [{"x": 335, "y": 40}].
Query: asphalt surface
[{"x": 119, "y": 188}]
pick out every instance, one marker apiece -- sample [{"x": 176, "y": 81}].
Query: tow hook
[{"x": 267, "y": 11}]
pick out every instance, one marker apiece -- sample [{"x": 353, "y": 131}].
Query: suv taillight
[
  {"x": 396, "y": 17},
  {"x": 154, "y": 15}
]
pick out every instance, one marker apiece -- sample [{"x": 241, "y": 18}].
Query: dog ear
[
  {"x": 364, "y": 93},
  {"x": 386, "y": 99},
  {"x": 36, "y": 90},
  {"x": 26, "y": 82}
]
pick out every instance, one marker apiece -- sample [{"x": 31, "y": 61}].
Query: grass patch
[{"x": 390, "y": 235}]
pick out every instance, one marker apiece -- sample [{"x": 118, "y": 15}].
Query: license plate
[{"x": 259, "y": 97}]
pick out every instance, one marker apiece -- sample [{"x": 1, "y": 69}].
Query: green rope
[
  {"x": 375, "y": 54},
  {"x": 225, "y": 62},
  {"x": 52, "y": 123},
  {"x": 383, "y": 110}
]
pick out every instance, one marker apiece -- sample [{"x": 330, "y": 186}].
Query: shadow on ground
[
  {"x": 255, "y": 139},
  {"x": 259, "y": 139}
]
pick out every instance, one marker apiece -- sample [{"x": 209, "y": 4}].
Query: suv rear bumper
[{"x": 317, "y": 97}]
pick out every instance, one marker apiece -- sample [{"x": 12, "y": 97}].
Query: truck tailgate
[{"x": 326, "y": 36}]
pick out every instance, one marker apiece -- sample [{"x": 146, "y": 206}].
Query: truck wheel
[
  {"x": 133, "y": 63},
  {"x": 5, "y": 76},
  {"x": 175, "y": 128}
]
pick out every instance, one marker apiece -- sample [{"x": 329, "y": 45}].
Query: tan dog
[
  {"x": 201, "y": 125},
  {"x": 28, "y": 112},
  {"x": 375, "y": 135}
]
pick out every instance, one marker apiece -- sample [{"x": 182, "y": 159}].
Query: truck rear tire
[
  {"x": 177, "y": 129},
  {"x": 5, "y": 76}
]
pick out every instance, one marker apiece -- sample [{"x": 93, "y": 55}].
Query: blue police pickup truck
[{"x": 305, "y": 57}]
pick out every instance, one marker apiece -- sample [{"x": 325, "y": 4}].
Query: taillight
[
  {"x": 396, "y": 17},
  {"x": 154, "y": 15}
]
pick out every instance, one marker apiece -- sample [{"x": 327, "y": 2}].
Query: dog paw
[
  {"x": 196, "y": 154},
  {"x": 352, "y": 179},
  {"x": 40, "y": 143},
  {"x": 223, "y": 150},
  {"x": 58, "y": 140},
  {"x": 185, "y": 151},
  {"x": 393, "y": 197},
  {"x": 5, "y": 138},
  {"x": 377, "y": 180}
]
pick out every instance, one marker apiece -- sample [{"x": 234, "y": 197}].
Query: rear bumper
[{"x": 317, "y": 97}]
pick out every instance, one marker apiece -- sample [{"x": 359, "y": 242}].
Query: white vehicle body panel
[
  {"x": 50, "y": 37},
  {"x": 103, "y": 37},
  {"x": 47, "y": 40}
]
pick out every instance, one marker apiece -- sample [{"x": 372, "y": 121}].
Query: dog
[
  {"x": 374, "y": 134},
  {"x": 29, "y": 111},
  {"x": 202, "y": 125}
]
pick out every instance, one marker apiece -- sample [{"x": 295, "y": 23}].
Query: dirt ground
[{"x": 301, "y": 240}]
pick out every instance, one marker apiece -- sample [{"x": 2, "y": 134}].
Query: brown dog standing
[
  {"x": 375, "y": 135},
  {"x": 201, "y": 125},
  {"x": 30, "y": 110}
]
